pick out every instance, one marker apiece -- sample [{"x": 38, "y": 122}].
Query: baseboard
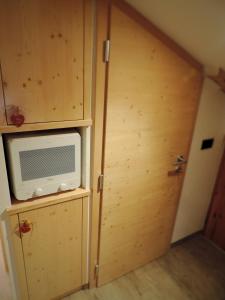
[
  {"x": 213, "y": 244},
  {"x": 186, "y": 238}
]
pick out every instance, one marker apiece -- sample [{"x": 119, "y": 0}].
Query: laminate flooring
[{"x": 194, "y": 269}]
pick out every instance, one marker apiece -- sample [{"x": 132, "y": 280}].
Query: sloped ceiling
[{"x": 196, "y": 25}]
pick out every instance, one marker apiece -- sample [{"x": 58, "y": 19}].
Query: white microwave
[{"x": 45, "y": 163}]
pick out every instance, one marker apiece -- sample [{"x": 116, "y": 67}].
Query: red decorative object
[
  {"x": 17, "y": 118},
  {"x": 25, "y": 227}
]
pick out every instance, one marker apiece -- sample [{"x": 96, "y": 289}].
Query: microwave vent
[{"x": 47, "y": 162}]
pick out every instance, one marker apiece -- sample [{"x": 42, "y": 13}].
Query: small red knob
[
  {"x": 25, "y": 227},
  {"x": 17, "y": 119}
]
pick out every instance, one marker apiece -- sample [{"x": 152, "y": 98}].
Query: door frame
[
  {"x": 99, "y": 111},
  {"x": 98, "y": 107},
  {"x": 212, "y": 217}
]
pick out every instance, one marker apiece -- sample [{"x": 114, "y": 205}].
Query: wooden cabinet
[
  {"x": 51, "y": 258},
  {"x": 45, "y": 60}
]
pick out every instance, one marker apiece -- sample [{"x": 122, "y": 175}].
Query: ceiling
[{"x": 196, "y": 25}]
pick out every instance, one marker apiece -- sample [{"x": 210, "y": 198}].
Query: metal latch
[
  {"x": 106, "y": 50},
  {"x": 100, "y": 182},
  {"x": 96, "y": 270}
]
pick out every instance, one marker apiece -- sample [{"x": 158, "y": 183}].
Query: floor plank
[{"x": 194, "y": 269}]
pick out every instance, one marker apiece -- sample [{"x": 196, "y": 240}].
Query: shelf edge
[
  {"x": 23, "y": 206},
  {"x": 45, "y": 126}
]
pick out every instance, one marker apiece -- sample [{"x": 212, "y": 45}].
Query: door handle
[
  {"x": 180, "y": 160},
  {"x": 178, "y": 170}
]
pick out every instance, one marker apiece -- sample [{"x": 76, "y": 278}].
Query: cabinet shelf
[
  {"x": 22, "y": 206},
  {"x": 45, "y": 126}
]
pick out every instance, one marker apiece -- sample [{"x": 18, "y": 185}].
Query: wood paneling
[
  {"x": 152, "y": 101},
  {"x": 42, "y": 59},
  {"x": 89, "y": 30},
  {"x": 52, "y": 250}
]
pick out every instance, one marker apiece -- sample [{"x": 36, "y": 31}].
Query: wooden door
[
  {"x": 152, "y": 100},
  {"x": 53, "y": 250},
  {"x": 215, "y": 226},
  {"x": 42, "y": 61}
]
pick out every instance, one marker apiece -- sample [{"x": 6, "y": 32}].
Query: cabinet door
[
  {"x": 53, "y": 250},
  {"x": 41, "y": 54}
]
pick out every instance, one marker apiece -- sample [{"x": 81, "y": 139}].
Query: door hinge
[
  {"x": 96, "y": 270},
  {"x": 100, "y": 182},
  {"x": 106, "y": 51}
]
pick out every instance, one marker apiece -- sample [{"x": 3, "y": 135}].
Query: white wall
[{"x": 203, "y": 164}]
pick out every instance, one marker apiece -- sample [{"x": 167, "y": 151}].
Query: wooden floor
[{"x": 194, "y": 269}]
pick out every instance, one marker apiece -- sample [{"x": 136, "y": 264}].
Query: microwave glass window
[{"x": 47, "y": 162}]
